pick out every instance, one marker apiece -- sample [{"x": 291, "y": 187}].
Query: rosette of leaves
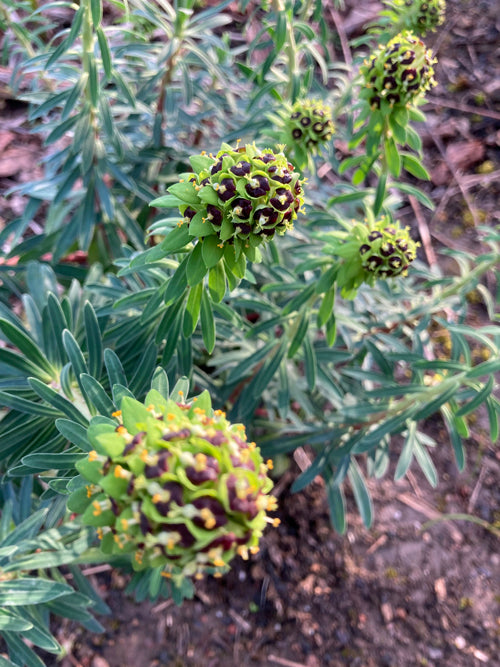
[
  {"x": 175, "y": 485},
  {"x": 398, "y": 73},
  {"x": 371, "y": 250},
  {"x": 420, "y": 16},
  {"x": 230, "y": 204},
  {"x": 304, "y": 127}
]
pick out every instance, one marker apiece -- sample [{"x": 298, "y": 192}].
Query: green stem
[
  {"x": 480, "y": 269},
  {"x": 290, "y": 48}
]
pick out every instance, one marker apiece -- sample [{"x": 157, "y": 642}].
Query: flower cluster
[
  {"x": 371, "y": 250},
  {"x": 398, "y": 73},
  {"x": 420, "y": 16},
  {"x": 386, "y": 250},
  {"x": 310, "y": 124},
  {"x": 176, "y": 485},
  {"x": 237, "y": 199}
]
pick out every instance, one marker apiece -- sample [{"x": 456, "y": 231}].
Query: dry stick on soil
[
  {"x": 465, "y": 108},
  {"x": 344, "y": 42},
  {"x": 458, "y": 178},
  {"x": 285, "y": 662},
  {"x": 475, "y": 493},
  {"x": 423, "y": 230}
]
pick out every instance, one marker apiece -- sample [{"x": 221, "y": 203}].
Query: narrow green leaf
[
  {"x": 75, "y": 433},
  {"x": 57, "y": 401},
  {"x": 361, "y": 494},
  {"x": 114, "y": 368},
  {"x": 336, "y": 503},
  {"x": 406, "y": 456},
  {"x": 21, "y": 652},
  {"x": 177, "y": 283},
  {"x": 425, "y": 463},
  {"x": 195, "y": 269},
  {"x": 299, "y": 335},
  {"x": 380, "y": 194},
  {"x": 456, "y": 440},
  {"x": 26, "y": 346},
  {"x": 211, "y": 251},
  {"x": 30, "y": 590},
  {"x": 310, "y": 361},
  {"x": 217, "y": 283},
  {"x": 478, "y": 399},
  {"x": 96, "y": 12},
  {"x": 74, "y": 353},
  {"x": 160, "y": 382},
  {"x": 23, "y": 405},
  {"x": 63, "y": 461},
  {"x": 434, "y": 405},
  {"x": 487, "y": 367},
  {"x": 392, "y": 157},
  {"x": 96, "y": 394},
  {"x": 192, "y": 311},
  {"x": 13, "y": 623},
  {"x": 94, "y": 341},
  {"x": 207, "y": 322},
  {"x": 105, "y": 52},
  {"x": 415, "y": 167}
]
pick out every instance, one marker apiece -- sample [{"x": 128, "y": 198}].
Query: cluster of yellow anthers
[{"x": 176, "y": 485}]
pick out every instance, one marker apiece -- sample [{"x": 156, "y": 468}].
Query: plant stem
[{"x": 290, "y": 48}]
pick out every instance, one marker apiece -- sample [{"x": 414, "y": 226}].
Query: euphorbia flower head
[
  {"x": 372, "y": 250},
  {"x": 420, "y": 16},
  {"x": 398, "y": 73},
  {"x": 309, "y": 124},
  {"x": 174, "y": 484},
  {"x": 242, "y": 196}
]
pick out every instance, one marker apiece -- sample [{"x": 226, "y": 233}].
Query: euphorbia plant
[{"x": 237, "y": 291}]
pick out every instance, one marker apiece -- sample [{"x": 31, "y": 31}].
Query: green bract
[
  {"x": 371, "y": 250},
  {"x": 175, "y": 485},
  {"x": 420, "y": 16},
  {"x": 398, "y": 73},
  {"x": 234, "y": 201}
]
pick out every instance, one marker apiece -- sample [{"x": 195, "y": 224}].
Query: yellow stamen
[
  {"x": 97, "y": 508},
  {"x": 167, "y": 575},
  {"x": 208, "y": 518},
  {"x": 200, "y": 462},
  {"x": 269, "y": 464},
  {"x": 156, "y": 498},
  {"x": 120, "y": 472},
  {"x": 117, "y": 413},
  {"x": 99, "y": 533},
  {"x": 124, "y": 523},
  {"x": 121, "y": 430},
  {"x": 93, "y": 455}
]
